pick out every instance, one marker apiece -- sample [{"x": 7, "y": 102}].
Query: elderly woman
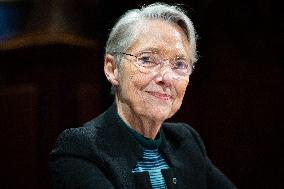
[{"x": 149, "y": 57}]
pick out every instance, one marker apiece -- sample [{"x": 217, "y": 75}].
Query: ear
[{"x": 111, "y": 70}]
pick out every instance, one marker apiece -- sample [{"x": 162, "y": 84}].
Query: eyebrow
[
  {"x": 150, "y": 49},
  {"x": 157, "y": 50}
]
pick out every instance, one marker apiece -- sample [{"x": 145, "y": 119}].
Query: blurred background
[{"x": 51, "y": 78}]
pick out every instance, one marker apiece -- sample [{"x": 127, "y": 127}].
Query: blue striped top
[{"x": 153, "y": 162}]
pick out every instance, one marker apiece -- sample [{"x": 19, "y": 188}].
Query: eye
[
  {"x": 181, "y": 65},
  {"x": 146, "y": 60}
]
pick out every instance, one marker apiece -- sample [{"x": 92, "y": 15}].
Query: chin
[{"x": 159, "y": 115}]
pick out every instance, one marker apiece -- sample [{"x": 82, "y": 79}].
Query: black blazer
[{"x": 101, "y": 155}]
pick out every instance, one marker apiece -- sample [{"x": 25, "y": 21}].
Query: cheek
[
  {"x": 140, "y": 81},
  {"x": 180, "y": 92},
  {"x": 133, "y": 86},
  {"x": 181, "y": 88}
]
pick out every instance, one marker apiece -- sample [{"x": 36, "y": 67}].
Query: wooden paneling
[
  {"x": 19, "y": 135},
  {"x": 39, "y": 97}
]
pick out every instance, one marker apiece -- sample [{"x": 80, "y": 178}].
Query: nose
[{"x": 164, "y": 75}]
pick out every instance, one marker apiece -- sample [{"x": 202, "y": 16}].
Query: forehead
[{"x": 165, "y": 36}]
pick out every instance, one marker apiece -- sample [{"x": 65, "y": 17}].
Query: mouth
[{"x": 161, "y": 96}]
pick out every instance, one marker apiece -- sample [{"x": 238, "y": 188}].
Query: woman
[{"x": 149, "y": 57}]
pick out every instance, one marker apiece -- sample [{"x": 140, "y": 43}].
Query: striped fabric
[{"x": 153, "y": 162}]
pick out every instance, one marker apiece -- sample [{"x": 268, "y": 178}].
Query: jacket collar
[{"x": 116, "y": 140}]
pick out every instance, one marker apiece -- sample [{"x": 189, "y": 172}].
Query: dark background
[{"x": 51, "y": 78}]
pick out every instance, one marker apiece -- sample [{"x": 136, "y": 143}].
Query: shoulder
[
  {"x": 77, "y": 141},
  {"x": 183, "y": 134}
]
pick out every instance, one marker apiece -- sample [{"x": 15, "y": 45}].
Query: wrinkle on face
[{"x": 139, "y": 93}]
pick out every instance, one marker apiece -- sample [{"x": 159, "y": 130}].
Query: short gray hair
[{"x": 123, "y": 33}]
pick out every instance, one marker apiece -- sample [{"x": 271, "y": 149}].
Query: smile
[{"x": 160, "y": 96}]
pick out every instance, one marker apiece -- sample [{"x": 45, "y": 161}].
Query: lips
[{"x": 161, "y": 96}]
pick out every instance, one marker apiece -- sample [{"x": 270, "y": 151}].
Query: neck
[{"x": 144, "y": 125}]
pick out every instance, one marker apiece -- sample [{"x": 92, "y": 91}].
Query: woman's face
[{"x": 155, "y": 95}]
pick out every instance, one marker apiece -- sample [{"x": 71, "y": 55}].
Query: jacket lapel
[
  {"x": 185, "y": 162},
  {"x": 119, "y": 148}
]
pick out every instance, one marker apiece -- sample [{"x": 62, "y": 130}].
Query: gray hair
[{"x": 123, "y": 33}]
